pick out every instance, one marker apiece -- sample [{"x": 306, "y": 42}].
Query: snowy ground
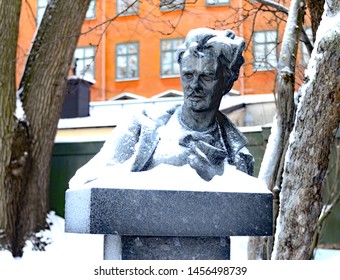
[{"x": 84, "y": 249}]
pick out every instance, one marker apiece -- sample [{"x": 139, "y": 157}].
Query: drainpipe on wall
[
  {"x": 240, "y": 18},
  {"x": 103, "y": 43}
]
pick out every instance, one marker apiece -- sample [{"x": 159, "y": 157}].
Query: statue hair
[{"x": 224, "y": 45}]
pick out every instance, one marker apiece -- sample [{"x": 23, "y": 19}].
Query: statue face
[{"x": 203, "y": 82}]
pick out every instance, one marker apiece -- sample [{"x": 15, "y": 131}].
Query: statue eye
[
  {"x": 188, "y": 75},
  {"x": 206, "y": 78}
]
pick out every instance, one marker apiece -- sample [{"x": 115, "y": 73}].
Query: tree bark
[
  {"x": 317, "y": 119},
  {"x": 315, "y": 8},
  {"x": 42, "y": 88},
  {"x": 272, "y": 165},
  {"x": 9, "y": 26}
]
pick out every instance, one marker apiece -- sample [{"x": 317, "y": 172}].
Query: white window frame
[
  {"x": 122, "y": 5},
  {"x": 84, "y": 58},
  {"x": 170, "y": 52},
  {"x": 304, "y": 52},
  {"x": 126, "y": 58},
  {"x": 91, "y": 11},
  {"x": 217, "y": 2},
  {"x": 171, "y": 5},
  {"x": 41, "y": 7},
  {"x": 264, "y": 50}
]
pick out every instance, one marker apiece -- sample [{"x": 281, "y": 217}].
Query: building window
[
  {"x": 169, "y": 64},
  {"x": 127, "y": 61},
  {"x": 41, "y": 7},
  {"x": 84, "y": 62},
  {"x": 171, "y": 5},
  {"x": 304, "y": 52},
  {"x": 217, "y": 2},
  {"x": 91, "y": 11},
  {"x": 42, "y": 4},
  {"x": 127, "y": 7},
  {"x": 264, "y": 50}
]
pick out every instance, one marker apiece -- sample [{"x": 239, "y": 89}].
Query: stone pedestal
[
  {"x": 169, "y": 224},
  {"x": 175, "y": 248}
]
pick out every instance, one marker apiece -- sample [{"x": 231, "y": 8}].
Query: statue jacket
[{"x": 134, "y": 142}]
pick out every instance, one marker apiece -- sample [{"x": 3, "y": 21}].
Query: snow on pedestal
[{"x": 171, "y": 208}]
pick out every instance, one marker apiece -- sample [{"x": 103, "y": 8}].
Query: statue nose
[{"x": 195, "y": 83}]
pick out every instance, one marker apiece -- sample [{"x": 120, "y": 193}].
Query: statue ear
[
  {"x": 229, "y": 87},
  {"x": 238, "y": 46},
  {"x": 230, "y": 73}
]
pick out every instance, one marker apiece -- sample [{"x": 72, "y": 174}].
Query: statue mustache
[{"x": 195, "y": 93}]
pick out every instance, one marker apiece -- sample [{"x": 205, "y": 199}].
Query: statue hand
[
  {"x": 205, "y": 158},
  {"x": 202, "y": 166}
]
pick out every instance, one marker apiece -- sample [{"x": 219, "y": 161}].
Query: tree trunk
[
  {"x": 9, "y": 25},
  {"x": 272, "y": 163},
  {"x": 315, "y": 8},
  {"x": 306, "y": 162},
  {"x": 42, "y": 88}
]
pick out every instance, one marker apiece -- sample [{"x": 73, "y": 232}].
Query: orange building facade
[{"x": 127, "y": 46}]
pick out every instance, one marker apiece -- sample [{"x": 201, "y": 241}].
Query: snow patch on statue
[{"x": 168, "y": 177}]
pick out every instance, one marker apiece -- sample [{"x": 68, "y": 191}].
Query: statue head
[{"x": 221, "y": 46}]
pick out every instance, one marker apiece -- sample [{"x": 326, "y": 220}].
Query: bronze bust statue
[{"x": 195, "y": 132}]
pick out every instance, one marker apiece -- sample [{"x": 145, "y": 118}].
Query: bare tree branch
[
  {"x": 283, "y": 9},
  {"x": 333, "y": 197},
  {"x": 326, "y": 211},
  {"x": 275, "y": 5}
]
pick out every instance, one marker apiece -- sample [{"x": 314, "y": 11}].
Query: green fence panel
[
  {"x": 67, "y": 158},
  {"x": 330, "y": 233}
]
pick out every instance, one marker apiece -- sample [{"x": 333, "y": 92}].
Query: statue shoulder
[
  {"x": 233, "y": 136},
  {"x": 162, "y": 114}
]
